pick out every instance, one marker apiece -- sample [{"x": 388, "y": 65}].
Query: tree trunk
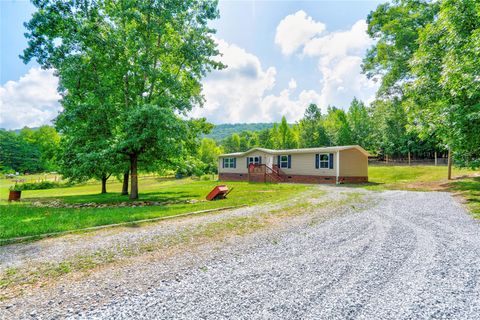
[
  {"x": 125, "y": 183},
  {"x": 409, "y": 163},
  {"x": 104, "y": 184},
  {"x": 133, "y": 176},
  {"x": 435, "y": 158},
  {"x": 449, "y": 164}
]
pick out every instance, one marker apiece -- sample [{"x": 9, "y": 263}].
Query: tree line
[
  {"x": 29, "y": 150},
  {"x": 39, "y": 150}
]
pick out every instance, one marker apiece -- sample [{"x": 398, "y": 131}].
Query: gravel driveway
[{"x": 410, "y": 255}]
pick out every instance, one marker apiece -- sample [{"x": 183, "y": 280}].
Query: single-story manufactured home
[{"x": 340, "y": 164}]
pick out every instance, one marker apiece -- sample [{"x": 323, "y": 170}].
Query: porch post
[{"x": 338, "y": 167}]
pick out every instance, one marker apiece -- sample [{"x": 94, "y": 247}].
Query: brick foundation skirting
[
  {"x": 309, "y": 179},
  {"x": 353, "y": 179},
  {"x": 233, "y": 176},
  {"x": 290, "y": 178}
]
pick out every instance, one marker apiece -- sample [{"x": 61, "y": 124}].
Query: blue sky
[{"x": 300, "y": 52}]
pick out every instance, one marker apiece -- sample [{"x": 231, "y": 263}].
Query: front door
[{"x": 269, "y": 162}]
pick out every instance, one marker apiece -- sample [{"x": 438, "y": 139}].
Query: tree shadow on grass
[
  {"x": 362, "y": 185},
  {"x": 471, "y": 185},
  {"x": 163, "y": 196},
  {"x": 469, "y": 190}
]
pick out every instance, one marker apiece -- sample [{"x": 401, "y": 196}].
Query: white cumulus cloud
[
  {"x": 31, "y": 101},
  {"x": 295, "y": 30},
  {"x": 292, "y": 84},
  {"x": 242, "y": 91},
  {"x": 339, "y": 55},
  {"x": 340, "y": 43},
  {"x": 235, "y": 93},
  {"x": 285, "y": 105}
]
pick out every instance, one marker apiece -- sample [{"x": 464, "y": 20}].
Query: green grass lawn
[
  {"x": 470, "y": 190},
  {"x": 21, "y": 219},
  {"x": 428, "y": 178},
  {"x": 410, "y": 177}
]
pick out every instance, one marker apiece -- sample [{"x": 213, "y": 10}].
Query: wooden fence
[{"x": 407, "y": 162}]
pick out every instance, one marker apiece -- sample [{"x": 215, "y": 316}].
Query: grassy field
[
  {"x": 470, "y": 190},
  {"x": 22, "y": 219},
  {"x": 411, "y": 177},
  {"x": 465, "y": 182}
]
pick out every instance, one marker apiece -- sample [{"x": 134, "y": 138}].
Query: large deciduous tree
[
  {"x": 445, "y": 96},
  {"x": 138, "y": 62},
  {"x": 287, "y": 135},
  {"x": 426, "y": 55},
  {"x": 337, "y": 127},
  {"x": 395, "y": 26},
  {"x": 360, "y": 124},
  {"x": 87, "y": 144}
]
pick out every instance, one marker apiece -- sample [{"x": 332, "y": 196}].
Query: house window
[
  {"x": 229, "y": 162},
  {"x": 254, "y": 160},
  {"x": 324, "y": 160},
  {"x": 283, "y": 161}
]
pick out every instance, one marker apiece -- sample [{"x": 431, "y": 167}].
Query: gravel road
[{"x": 410, "y": 255}]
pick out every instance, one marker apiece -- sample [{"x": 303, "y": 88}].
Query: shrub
[
  {"x": 190, "y": 167},
  {"x": 15, "y": 187},
  {"x": 207, "y": 177},
  {"x": 41, "y": 185}
]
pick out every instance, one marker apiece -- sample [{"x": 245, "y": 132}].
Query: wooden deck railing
[{"x": 274, "y": 174}]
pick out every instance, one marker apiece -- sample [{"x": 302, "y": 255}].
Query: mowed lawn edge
[
  {"x": 22, "y": 219},
  {"x": 465, "y": 182}
]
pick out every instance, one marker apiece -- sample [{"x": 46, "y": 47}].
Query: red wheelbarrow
[{"x": 219, "y": 192}]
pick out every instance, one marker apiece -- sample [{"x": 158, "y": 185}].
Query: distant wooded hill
[{"x": 222, "y": 131}]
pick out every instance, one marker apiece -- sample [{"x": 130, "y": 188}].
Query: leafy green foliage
[
  {"x": 139, "y": 64},
  {"x": 29, "y": 150},
  {"x": 337, "y": 127},
  {"x": 222, "y": 131},
  {"x": 312, "y": 131},
  {"x": 288, "y": 138},
  {"x": 395, "y": 26},
  {"x": 360, "y": 124},
  {"x": 208, "y": 153},
  {"x": 42, "y": 185},
  {"x": 445, "y": 94},
  {"x": 87, "y": 144},
  {"x": 426, "y": 56}
]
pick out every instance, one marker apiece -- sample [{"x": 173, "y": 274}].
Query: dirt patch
[
  {"x": 440, "y": 185},
  {"x": 428, "y": 186}
]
